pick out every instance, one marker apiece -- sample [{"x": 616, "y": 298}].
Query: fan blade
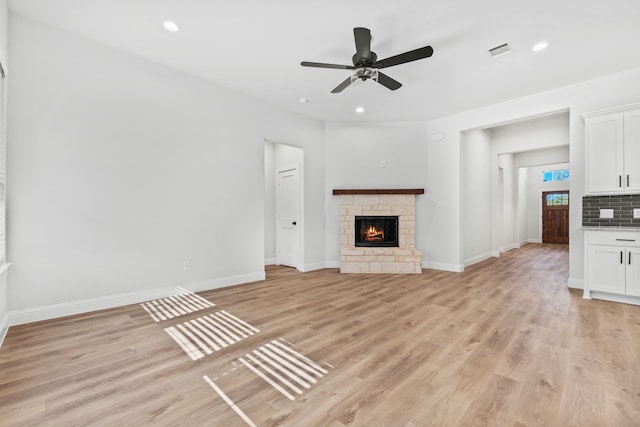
[
  {"x": 363, "y": 42},
  {"x": 323, "y": 65},
  {"x": 388, "y": 82},
  {"x": 342, "y": 86},
  {"x": 413, "y": 55}
]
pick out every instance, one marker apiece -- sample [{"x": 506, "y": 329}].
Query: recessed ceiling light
[
  {"x": 540, "y": 46},
  {"x": 170, "y": 26},
  {"x": 359, "y": 110},
  {"x": 303, "y": 100}
]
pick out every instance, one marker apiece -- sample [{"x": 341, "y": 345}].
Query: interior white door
[{"x": 287, "y": 212}]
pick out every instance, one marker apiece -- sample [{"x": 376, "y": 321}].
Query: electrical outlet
[
  {"x": 636, "y": 213},
  {"x": 606, "y": 213},
  {"x": 186, "y": 265}
]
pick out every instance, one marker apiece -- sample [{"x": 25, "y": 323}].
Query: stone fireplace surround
[{"x": 402, "y": 259}]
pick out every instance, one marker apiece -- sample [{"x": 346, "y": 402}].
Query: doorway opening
[
  {"x": 503, "y": 167},
  {"x": 283, "y": 216}
]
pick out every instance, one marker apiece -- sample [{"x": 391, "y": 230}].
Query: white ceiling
[{"x": 256, "y": 46}]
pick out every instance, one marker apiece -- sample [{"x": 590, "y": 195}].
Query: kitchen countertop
[{"x": 611, "y": 228}]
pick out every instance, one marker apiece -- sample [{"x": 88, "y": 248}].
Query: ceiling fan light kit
[{"x": 366, "y": 64}]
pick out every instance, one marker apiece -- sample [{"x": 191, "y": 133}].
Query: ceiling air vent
[{"x": 501, "y": 50}]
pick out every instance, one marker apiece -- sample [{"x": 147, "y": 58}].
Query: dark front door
[{"x": 555, "y": 217}]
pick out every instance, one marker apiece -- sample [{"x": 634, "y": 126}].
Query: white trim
[
  {"x": 4, "y": 267},
  {"x": 534, "y": 240},
  {"x": 4, "y": 328},
  {"x": 455, "y": 268},
  {"x": 269, "y": 261},
  {"x": 207, "y": 285},
  {"x": 4, "y": 319},
  {"x": 627, "y": 299},
  {"x": 575, "y": 283},
  {"x": 332, "y": 264},
  {"x": 36, "y": 314},
  {"x": 509, "y": 247},
  {"x": 477, "y": 259},
  {"x": 314, "y": 266},
  {"x": 613, "y": 110}
]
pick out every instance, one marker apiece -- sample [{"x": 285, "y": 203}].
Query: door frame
[{"x": 270, "y": 175}]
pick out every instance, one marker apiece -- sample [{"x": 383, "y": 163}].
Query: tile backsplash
[{"x": 622, "y": 206}]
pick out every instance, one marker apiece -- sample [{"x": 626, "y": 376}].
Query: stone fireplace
[{"x": 378, "y": 231}]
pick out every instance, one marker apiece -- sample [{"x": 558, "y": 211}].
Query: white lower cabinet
[
  {"x": 612, "y": 265},
  {"x": 633, "y": 271}
]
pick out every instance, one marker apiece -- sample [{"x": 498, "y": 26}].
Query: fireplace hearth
[{"x": 376, "y": 231}]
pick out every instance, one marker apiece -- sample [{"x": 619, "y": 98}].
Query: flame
[{"x": 374, "y": 234}]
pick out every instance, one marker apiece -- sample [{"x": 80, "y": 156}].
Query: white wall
[
  {"x": 354, "y": 152},
  {"x": 121, "y": 169},
  {"x": 543, "y": 157},
  {"x": 523, "y": 206},
  {"x": 4, "y": 33},
  {"x": 615, "y": 89},
  {"x": 269, "y": 203},
  {"x": 476, "y": 195},
  {"x": 532, "y": 135},
  {"x": 506, "y": 223}
]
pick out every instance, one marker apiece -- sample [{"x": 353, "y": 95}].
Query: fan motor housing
[{"x": 364, "y": 62}]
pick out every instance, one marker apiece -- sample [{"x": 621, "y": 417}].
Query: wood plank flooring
[{"x": 503, "y": 344}]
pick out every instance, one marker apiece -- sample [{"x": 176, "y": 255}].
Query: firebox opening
[{"x": 376, "y": 231}]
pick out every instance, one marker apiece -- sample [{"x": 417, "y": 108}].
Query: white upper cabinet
[
  {"x": 632, "y": 151},
  {"x": 613, "y": 151}
]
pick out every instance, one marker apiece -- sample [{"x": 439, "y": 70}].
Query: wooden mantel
[{"x": 337, "y": 192}]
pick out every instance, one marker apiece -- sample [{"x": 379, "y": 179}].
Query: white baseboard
[
  {"x": 534, "y": 241},
  {"x": 207, "y": 285},
  {"x": 313, "y": 266},
  {"x": 4, "y": 327},
  {"x": 615, "y": 298},
  {"x": 36, "y": 314},
  {"x": 477, "y": 259},
  {"x": 455, "y": 268},
  {"x": 575, "y": 283},
  {"x": 509, "y": 247},
  {"x": 4, "y": 315},
  {"x": 332, "y": 264},
  {"x": 303, "y": 267}
]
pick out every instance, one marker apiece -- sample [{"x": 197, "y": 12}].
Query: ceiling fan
[{"x": 366, "y": 64}]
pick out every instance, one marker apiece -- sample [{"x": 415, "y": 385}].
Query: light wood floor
[{"x": 504, "y": 343}]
